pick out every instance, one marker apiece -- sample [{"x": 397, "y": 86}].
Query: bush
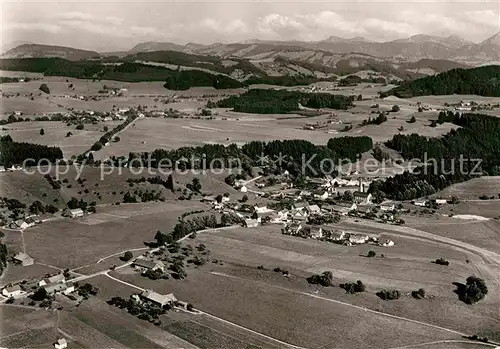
[
  {"x": 412, "y": 120},
  {"x": 389, "y": 294},
  {"x": 371, "y": 254},
  {"x": 325, "y": 279},
  {"x": 419, "y": 294},
  {"x": 395, "y": 108},
  {"x": 42, "y": 132},
  {"x": 441, "y": 261},
  {"x": 44, "y": 88},
  {"x": 354, "y": 287}
]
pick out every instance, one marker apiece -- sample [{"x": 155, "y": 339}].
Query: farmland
[
  {"x": 113, "y": 229},
  {"x": 243, "y": 250}
]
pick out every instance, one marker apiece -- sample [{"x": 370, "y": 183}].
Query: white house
[
  {"x": 316, "y": 232},
  {"x": 24, "y": 259},
  {"x": 419, "y": 202},
  {"x": 441, "y": 201},
  {"x": 323, "y": 196},
  {"x": 2, "y": 169},
  {"x": 14, "y": 291},
  {"x": 19, "y": 224},
  {"x": 61, "y": 343},
  {"x": 313, "y": 209},
  {"x": 261, "y": 209},
  {"x": 59, "y": 278},
  {"x": 244, "y": 189},
  {"x": 388, "y": 243},
  {"x": 358, "y": 238},
  {"x": 148, "y": 264},
  {"x": 77, "y": 212},
  {"x": 252, "y": 223},
  {"x": 362, "y": 198},
  {"x": 387, "y": 207}
]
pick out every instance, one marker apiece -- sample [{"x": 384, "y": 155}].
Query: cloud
[{"x": 20, "y": 26}]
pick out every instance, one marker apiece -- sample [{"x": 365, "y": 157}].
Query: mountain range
[
  {"x": 409, "y": 58},
  {"x": 413, "y": 48}
]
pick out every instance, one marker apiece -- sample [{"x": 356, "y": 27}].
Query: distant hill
[
  {"x": 47, "y": 51},
  {"x": 156, "y": 46},
  {"x": 127, "y": 71},
  {"x": 483, "y": 81}
]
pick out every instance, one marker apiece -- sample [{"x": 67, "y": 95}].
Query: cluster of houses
[
  {"x": 348, "y": 238},
  {"x": 52, "y": 285},
  {"x": 30, "y": 221}
]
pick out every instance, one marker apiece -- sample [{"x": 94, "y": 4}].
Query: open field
[
  {"x": 273, "y": 311},
  {"x": 485, "y": 234},
  {"x": 55, "y": 135},
  {"x": 27, "y": 327},
  {"x": 15, "y": 273},
  {"x": 110, "y": 184},
  {"x": 111, "y": 230},
  {"x": 406, "y": 266},
  {"x": 472, "y": 189}
]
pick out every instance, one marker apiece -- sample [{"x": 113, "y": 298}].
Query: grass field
[
  {"x": 111, "y": 230},
  {"x": 55, "y": 135},
  {"x": 274, "y": 312},
  {"x": 485, "y": 234},
  {"x": 246, "y": 293},
  {"x": 474, "y": 188}
]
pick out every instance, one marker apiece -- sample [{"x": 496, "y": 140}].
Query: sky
[{"x": 119, "y": 25}]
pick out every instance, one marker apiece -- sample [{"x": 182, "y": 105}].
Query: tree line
[
  {"x": 483, "y": 81},
  {"x": 15, "y": 153},
  {"x": 263, "y": 101}
]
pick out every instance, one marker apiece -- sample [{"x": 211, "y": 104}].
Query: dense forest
[
  {"x": 282, "y": 102},
  {"x": 285, "y": 154},
  {"x": 483, "y": 81},
  {"x": 478, "y": 140},
  {"x": 183, "y": 80},
  {"x": 3, "y": 255},
  {"x": 14, "y": 153},
  {"x": 130, "y": 72},
  {"x": 350, "y": 147}
]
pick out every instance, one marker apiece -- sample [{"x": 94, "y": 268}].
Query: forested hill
[
  {"x": 483, "y": 81},
  {"x": 477, "y": 142}
]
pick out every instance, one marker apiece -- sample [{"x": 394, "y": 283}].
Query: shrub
[
  {"x": 42, "y": 132},
  {"x": 354, "y": 287},
  {"x": 325, "y": 279},
  {"x": 419, "y": 294},
  {"x": 389, "y": 294},
  {"x": 441, "y": 261},
  {"x": 371, "y": 254},
  {"x": 395, "y": 108}
]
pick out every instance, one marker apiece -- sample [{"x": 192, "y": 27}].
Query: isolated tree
[
  {"x": 218, "y": 198},
  {"x": 244, "y": 198},
  {"x": 395, "y": 108},
  {"x": 42, "y": 132},
  {"x": 348, "y": 196},
  {"x": 44, "y": 88},
  {"x": 127, "y": 256},
  {"x": 69, "y": 134},
  {"x": 412, "y": 120},
  {"x": 371, "y": 254},
  {"x": 80, "y": 127},
  {"x": 169, "y": 184}
]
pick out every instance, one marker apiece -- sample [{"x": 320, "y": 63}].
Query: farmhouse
[
  {"x": 313, "y": 209},
  {"x": 77, "y": 212},
  {"x": 342, "y": 208},
  {"x": 387, "y": 207},
  {"x": 2, "y": 169},
  {"x": 261, "y": 209},
  {"x": 61, "y": 343},
  {"x": 23, "y": 259},
  {"x": 421, "y": 203},
  {"x": 362, "y": 198},
  {"x": 19, "y": 224},
  {"x": 144, "y": 264},
  {"x": 14, "y": 291},
  {"x": 441, "y": 201},
  {"x": 59, "y": 288},
  {"x": 59, "y": 278},
  {"x": 316, "y": 232},
  {"x": 158, "y": 299},
  {"x": 252, "y": 223}
]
